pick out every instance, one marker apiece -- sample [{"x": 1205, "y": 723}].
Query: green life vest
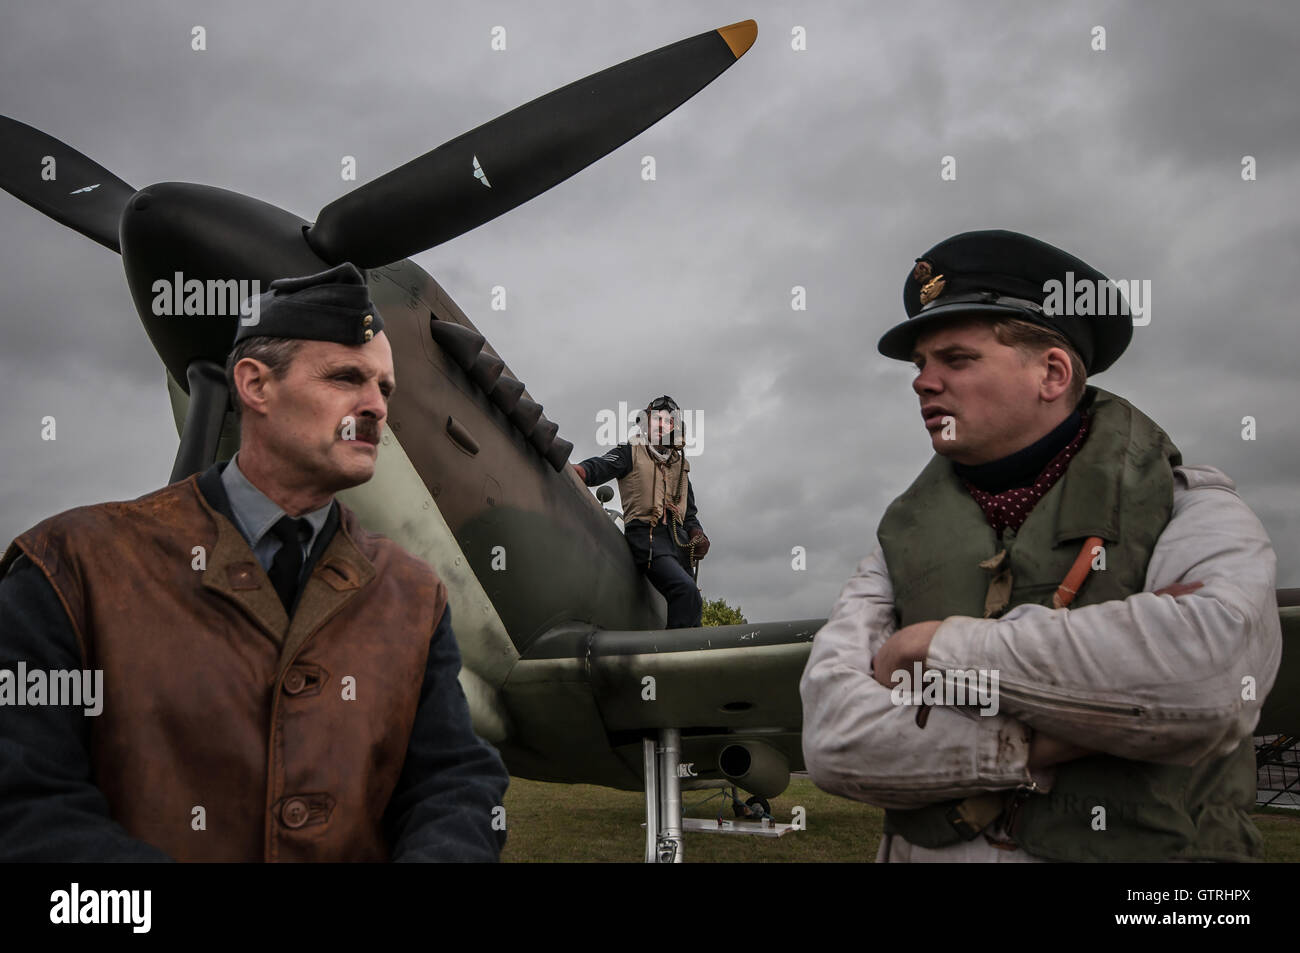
[{"x": 1118, "y": 486}]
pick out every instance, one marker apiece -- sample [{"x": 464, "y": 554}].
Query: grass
[
  {"x": 1281, "y": 830},
  {"x": 584, "y": 823}
]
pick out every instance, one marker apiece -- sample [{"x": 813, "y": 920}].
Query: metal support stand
[
  {"x": 663, "y": 798},
  {"x": 670, "y": 833},
  {"x": 650, "y": 764},
  {"x": 664, "y": 825}
]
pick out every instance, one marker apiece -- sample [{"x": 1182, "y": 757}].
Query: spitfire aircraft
[{"x": 567, "y": 668}]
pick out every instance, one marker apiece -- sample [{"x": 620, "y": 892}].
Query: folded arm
[
  {"x": 859, "y": 743},
  {"x": 1166, "y": 678}
]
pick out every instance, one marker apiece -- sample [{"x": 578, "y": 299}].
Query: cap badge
[
  {"x": 932, "y": 289},
  {"x": 922, "y": 271}
]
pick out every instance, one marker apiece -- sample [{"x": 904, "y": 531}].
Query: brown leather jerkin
[{"x": 214, "y": 699}]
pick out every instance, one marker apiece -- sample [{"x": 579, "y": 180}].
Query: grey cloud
[{"x": 818, "y": 168}]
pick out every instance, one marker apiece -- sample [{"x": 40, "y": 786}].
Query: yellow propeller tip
[{"x": 740, "y": 36}]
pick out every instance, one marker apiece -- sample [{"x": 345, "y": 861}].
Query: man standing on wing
[
  {"x": 1124, "y": 602},
  {"x": 660, "y": 524}
]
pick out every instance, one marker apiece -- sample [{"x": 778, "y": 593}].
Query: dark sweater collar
[
  {"x": 214, "y": 491},
  {"x": 1021, "y": 468}
]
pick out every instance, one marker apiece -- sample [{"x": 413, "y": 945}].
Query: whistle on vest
[
  {"x": 1073, "y": 581},
  {"x": 999, "y": 592}
]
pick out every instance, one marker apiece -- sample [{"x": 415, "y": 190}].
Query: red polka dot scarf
[{"x": 1011, "y": 507}]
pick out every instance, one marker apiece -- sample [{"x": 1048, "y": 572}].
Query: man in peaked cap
[
  {"x": 277, "y": 683},
  {"x": 1063, "y": 639}
]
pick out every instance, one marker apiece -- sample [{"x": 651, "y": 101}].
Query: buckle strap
[{"x": 971, "y": 816}]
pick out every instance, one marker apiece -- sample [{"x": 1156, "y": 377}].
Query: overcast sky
[{"x": 818, "y": 168}]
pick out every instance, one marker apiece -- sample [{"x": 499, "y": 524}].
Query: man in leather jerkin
[
  {"x": 1120, "y": 604},
  {"x": 278, "y": 683}
]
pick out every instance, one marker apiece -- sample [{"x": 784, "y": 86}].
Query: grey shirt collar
[{"x": 255, "y": 514}]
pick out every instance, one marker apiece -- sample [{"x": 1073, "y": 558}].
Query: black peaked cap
[{"x": 996, "y": 273}]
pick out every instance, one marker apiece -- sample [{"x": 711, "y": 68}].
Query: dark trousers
[{"x": 668, "y": 571}]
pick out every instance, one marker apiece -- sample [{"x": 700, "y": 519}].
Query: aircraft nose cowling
[{"x": 193, "y": 254}]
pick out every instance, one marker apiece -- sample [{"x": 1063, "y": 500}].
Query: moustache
[{"x": 362, "y": 428}]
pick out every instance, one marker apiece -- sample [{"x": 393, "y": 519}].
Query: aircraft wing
[
  {"x": 738, "y": 676},
  {"x": 720, "y": 685},
  {"x": 600, "y": 692}
]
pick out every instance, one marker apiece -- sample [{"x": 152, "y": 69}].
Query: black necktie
[{"x": 286, "y": 567}]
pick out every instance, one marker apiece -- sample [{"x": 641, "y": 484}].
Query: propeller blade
[
  {"x": 515, "y": 157},
  {"x": 54, "y": 178}
]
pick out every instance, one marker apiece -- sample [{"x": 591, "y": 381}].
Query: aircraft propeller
[
  {"x": 515, "y": 157},
  {"x": 54, "y": 178},
  {"x": 212, "y": 234}
]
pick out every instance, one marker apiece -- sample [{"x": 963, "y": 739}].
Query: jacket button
[
  {"x": 294, "y": 681},
  {"x": 294, "y": 812}
]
